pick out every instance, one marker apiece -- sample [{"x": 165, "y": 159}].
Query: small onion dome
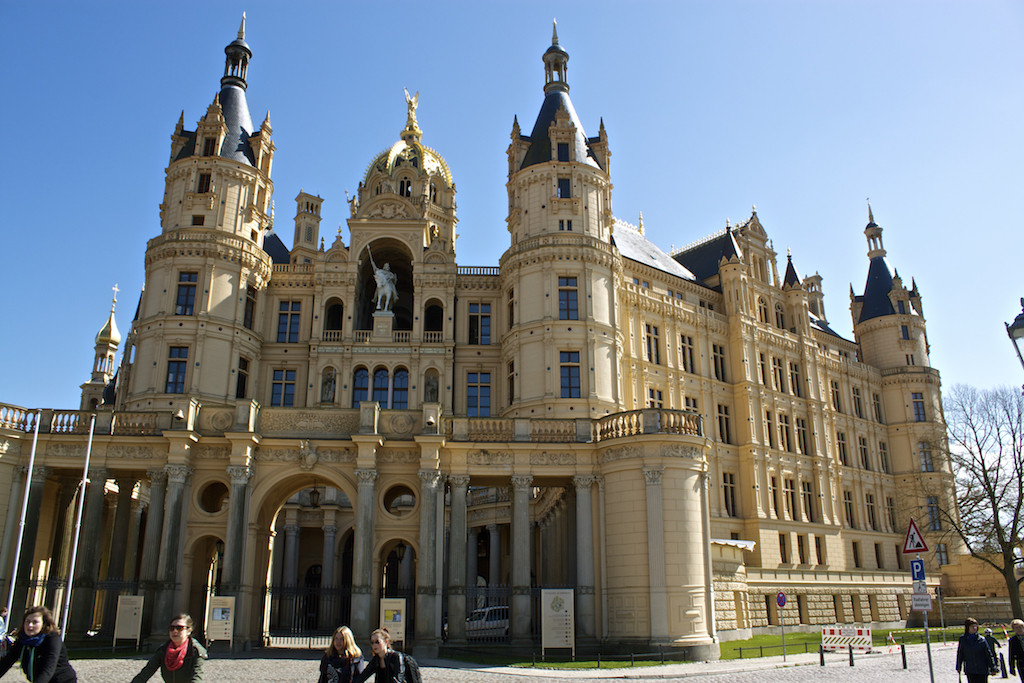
[{"x": 109, "y": 334}]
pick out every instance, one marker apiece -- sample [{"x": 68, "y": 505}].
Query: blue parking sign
[{"x": 917, "y": 570}]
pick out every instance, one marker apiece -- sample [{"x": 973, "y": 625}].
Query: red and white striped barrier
[{"x": 838, "y": 638}]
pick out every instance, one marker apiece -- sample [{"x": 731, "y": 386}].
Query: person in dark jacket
[
  {"x": 180, "y": 659},
  {"x": 44, "y": 659},
  {"x": 973, "y": 654},
  {"x": 343, "y": 659},
  {"x": 1016, "y": 648},
  {"x": 388, "y": 665}
]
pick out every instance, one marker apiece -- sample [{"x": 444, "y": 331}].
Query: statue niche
[{"x": 385, "y": 284}]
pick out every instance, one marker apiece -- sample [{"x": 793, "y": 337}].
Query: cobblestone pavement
[{"x": 303, "y": 668}]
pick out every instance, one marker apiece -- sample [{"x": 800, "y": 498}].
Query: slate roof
[
  {"x": 636, "y": 247},
  {"x": 702, "y": 259},
  {"x": 876, "y": 291},
  {"x": 540, "y": 143},
  {"x": 273, "y": 245}
]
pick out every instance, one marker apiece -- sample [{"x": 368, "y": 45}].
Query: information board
[
  {"x": 392, "y": 617},
  {"x": 128, "y": 621},
  {"x": 220, "y": 622},
  {"x": 558, "y": 618}
]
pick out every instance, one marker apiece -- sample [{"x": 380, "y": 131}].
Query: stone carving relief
[
  {"x": 392, "y": 455},
  {"x": 8, "y": 447},
  {"x": 556, "y": 458},
  {"x": 133, "y": 452},
  {"x": 222, "y": 420},
  {"x": 678, "y": 451},
  {"x": 400, "y": 424},
  {"x": 335, "y": 455},
  {"x": 308, "y": 421},
  {"x": 621, "y": 453},
  {"x": 489, "y": 458},
  {"x": 211, "y": 452},
  {"x": 390, "y": 209},
  {"x": 307, "y": 455},
  {"x": 65, "y": 450}
]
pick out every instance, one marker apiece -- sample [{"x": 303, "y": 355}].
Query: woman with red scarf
[{"x": 180, "y": 659}]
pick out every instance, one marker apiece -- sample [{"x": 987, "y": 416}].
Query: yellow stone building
[{"x": 676, "y": 437}]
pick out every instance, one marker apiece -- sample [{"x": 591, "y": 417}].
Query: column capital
[
  {"x": 329, "y": 529},
  {"x": 41, "y": 471},
  {"x": 291, "y": 528},
  {"x": 240, "y": 474},
  {"x": 458, "y": 479},
  {"x": 98, "y": 474},
  {"x": 429, "y": 478},
  {"x": 366, "y": 476},
  {"x": 653, "y": 476},
  {"x": 522, "y": 481},
  {"x": 156, "y": 476},
  {"x": 177, "y": 474},
  {"x": 584, "y": 481},
  {"x": 492, "y": 527}
]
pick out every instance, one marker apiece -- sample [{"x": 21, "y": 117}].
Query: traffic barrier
[{"x": 838, "y": 638}]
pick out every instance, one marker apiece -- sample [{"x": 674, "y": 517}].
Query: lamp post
[{"x": 1015, "y": 331}]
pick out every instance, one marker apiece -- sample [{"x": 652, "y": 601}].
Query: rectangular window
[
  {"x": 570, "y": 373},
  {"x": 794, "y": 379},
  {"x": 724, "y": 428},
  {"x": 654, "y": 399},
  {"x": 686, "y": 353},
  {"x": 783, "y": 550},
  {"x": 841, "y": 448},
  {"x": 690, "y": 403},
  {"x": 773, "y": 490},
  {"x": 883, "y": 456},
  {"x": 934, "y": 520},
  {"x": 876, "y": 402},
  {"x": 563, "y": 188},
  {"x": 209, "y": 147},
  {"x": 819, "y": 550},
  {"x": 762, "y": 369},
  {"x": 855, "y": 545},
  {"x": 904, "y": 332},
  {"x": 177, "y": 364},
  {"x": 769, "y": 428},
  {"x": 185, "y": 302},
  {"x": 480, "y": 324},
  {"x": 282, "y": 389},
  {"x": 848, "y": 509},
  {"x": 910, "y": 359},
  {"x": 242, "y": 381},
  {"x": 789, "y": 497},
  {"x": 801, "y": 436},
  {"x": 198, "y": 219},
  {"x": 203, "y": 186},
  {"x": 925, "y": 449},
  {"x": 808, "y": 494},
  {"x": 858, "y": 406},
  {"x": 511, "y": 374},
  {"x": 918, "y": 400},
  {"x": 718, "y": 354},
  {"x": 249, "y": 315},
  {"x": 478, "y": 394},
  {"x": 869, "y": 506},
  {"x": 785, "y": 433},
  {"x": 865, "y": 457},
  {"x": 836, "y": 403},
  {"x": 568, "y": 303},
  {"x": 801, "y": 549},
  {"x": 890, "y": 511},
  {"x": 777, "y": 375},
  {"x": 941, "y": 554},
  {"x": 652, "y": 344},
  {"x": 563, "y": 151},
  {"x": 729, "y": 493},
  {"x": 878, "y": 555},
  {"x": 288, "y": 317},
  {"x": 511, "y": 307}
]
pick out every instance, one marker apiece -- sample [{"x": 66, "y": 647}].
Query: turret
[
  {"x": 99, "y": 389},
  {"x": 307, "y": 227}
]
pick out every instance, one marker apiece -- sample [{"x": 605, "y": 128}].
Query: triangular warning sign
[{"x": 915, "y": 541}]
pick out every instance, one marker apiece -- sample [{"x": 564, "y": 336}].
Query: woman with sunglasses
[
  {"x": 180, "y": 659},
  {"x": 390, "y": 666},
  {"x": 44, "y": 659}
]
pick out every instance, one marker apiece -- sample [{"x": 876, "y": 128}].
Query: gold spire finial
[
  {"x": 241, "y": 29},
  {"x": 871, "y": 217},
  {"x": 411, "y": 125},
  {"x": 116, "y": 290}
]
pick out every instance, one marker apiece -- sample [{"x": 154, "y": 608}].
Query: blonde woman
[{"x": 343, "y": 659}]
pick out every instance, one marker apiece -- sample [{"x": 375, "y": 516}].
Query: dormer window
[
  {"x": 564, "y": 191},
  {"x": 209, "y": 147},
  {"x": 563, "y": 151},
  {"x": 405, "y": 187},
  {"x": 901, "y": 307}
]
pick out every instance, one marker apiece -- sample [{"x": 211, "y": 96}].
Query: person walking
[
  {"x": 1016, "y": 648},
  {"x": 973, "y": 654},
  {"x": 343, "y": 659},
  {"x": 180, "y": 659},
  {"x": 389, "y": 665},
  {"x": 44, "y": 659}
]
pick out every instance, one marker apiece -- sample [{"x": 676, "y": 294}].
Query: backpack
[{"x": 407, "y": 662}]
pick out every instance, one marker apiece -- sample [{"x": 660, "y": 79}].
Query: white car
[{"x": 487, "y": 621}]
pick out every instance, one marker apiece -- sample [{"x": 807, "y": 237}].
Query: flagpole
[
  {"x": 24, "y": 513},
  {"x": 78, "y": 528}
]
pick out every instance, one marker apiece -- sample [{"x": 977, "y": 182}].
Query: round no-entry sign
[{"x": 781, "y": 599}]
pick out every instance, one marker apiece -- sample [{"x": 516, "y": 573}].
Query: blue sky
[{"x": 802, "y": 108}]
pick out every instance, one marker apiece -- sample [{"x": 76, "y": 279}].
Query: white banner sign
[
  {"x": 557, "y": 618},
  {"x": 392, "y": 617},
  {"x": 220, "y": 622},
  {"x": 128, "y": 621}
]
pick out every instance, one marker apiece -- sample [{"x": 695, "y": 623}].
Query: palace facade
[{"x": 678, "y": 437}]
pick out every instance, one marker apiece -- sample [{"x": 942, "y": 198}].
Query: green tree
[{"x": 986, "y": 446}]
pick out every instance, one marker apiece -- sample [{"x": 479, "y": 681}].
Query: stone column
[
  {"x": 457, "y": 559},
  {"x": 472, "y": 572},
  {"x": 493, "y": 555},
  {"x": 328, "y": 601},
  {"x": 362, "y": 553},
  {"x": 234, "y": 544},
  {"x": 658, "y": 594},
  {"x": 170, "y": 543},
  {"x": 290, "y": 575},
  {"x": 426, "y": 566},
  {"x": 10, "y": 524},
  {"x": 520, "y": 561},
  {"x": 122, "y": 520},
  {"x": 28, "y": 540},
  {"x": 87, "y": 564},
  {"x": 59, "y": 555},
  {"x": 132, "y": 553},
  {"x": 585, "y": 611},
  {"x": 151, "y": 545}
]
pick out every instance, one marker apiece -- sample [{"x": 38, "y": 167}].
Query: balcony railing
[{"x": 432, "y": 337}]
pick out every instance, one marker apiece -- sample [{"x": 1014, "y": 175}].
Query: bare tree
[{"x": 986, "y": 444}]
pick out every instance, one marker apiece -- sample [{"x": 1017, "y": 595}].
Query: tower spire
[
  {"x": 236, "y": 63},
  {"x": 555, "y": 61}
]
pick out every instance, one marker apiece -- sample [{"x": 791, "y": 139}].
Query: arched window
[
  {"x": 380, "y": 387},
  {"x": 327, "y": 386},
  {"x": 400, "y": 390},
  {"x": 333, "y": 317},
  {"x": 360, "y": 386},
  {"x": 762, "y": 310},
  {"x": 433, "y": 318},
  {"x": 780, "y": 317},
  {"x": 378, "y": 188},
  {"x": 405, "y": 187},
  {"x": 433, "y": 193}
]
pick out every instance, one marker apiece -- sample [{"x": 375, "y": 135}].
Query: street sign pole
[
  {"x": 780, "y": 600},
  {"x": 927, "y": 640}
]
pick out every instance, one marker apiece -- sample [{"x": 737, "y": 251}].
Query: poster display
[
  {"x": 558, "y": 618},
  {"x": 220, "y": 622},
  {"x": 128, "y": 620},
  {"x": 392, "y": 617}
]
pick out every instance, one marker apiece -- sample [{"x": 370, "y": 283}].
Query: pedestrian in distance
[
  {"x": 1016, "y": 648},
  {"x": 973, "y": 654},
  {"x": 180, "y": 659},
  {"x": 343, "y": 659},
  {"x": 390, "y": 666},
  {"x": 38, "y": 646}
]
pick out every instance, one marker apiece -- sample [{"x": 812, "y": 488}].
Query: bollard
[
  {"x": 903, "y": 651},
  {"x": 821, "y": 654},
  {"x": 632, "y": 660},
  {"x": 1002, "y": 665},
  {"x": 661, "y": 651},
  {"x": 534, "y": 660},
  {"x": 850, "y": 648},
  {"x": 598, "y": 659}
]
